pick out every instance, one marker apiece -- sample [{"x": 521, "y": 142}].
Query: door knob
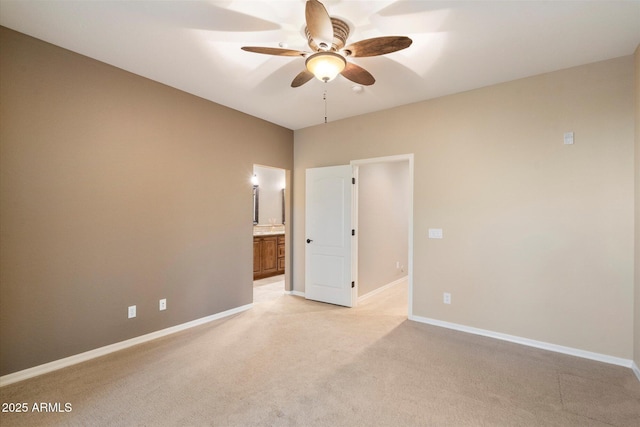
[{"x": 309, "y": 240}]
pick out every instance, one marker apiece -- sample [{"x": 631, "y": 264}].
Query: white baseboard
[
  {"x": 98, "y": 352},
  {"x": 531, "y": 343},
  {"x": 381, "y": 289},
  {"x": 295, "y": 293},
  {"x": 635, "y": 370}
]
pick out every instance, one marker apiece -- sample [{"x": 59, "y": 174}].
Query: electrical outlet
[
  {"x": 163, "y": 304},
  {"x": 132, "y": 311},
  {"x": 397, "y": 264},
  {"x": 446, "y": 298}
]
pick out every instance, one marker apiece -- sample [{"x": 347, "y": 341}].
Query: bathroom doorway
[{"x": 269, "y": 232}]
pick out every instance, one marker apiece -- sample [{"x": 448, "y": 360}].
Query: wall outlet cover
[{"x": 446, "y": 298}]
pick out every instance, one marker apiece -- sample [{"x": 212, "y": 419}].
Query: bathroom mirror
[{"x": 269, "y": 197}]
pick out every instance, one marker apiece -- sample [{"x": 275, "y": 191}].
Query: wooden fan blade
[
  {"x": 273, "y": 51},
  {"x": 319, "y": 23},
  {"x": 303, "y": 77},
  {"x": 378, "y": 46},
  {"x": 357, "y": 74}
]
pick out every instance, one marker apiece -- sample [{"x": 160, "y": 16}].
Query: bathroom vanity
[{"x": 268, "y": 253}]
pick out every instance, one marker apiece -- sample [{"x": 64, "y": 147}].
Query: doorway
[
  {"x": 383, "y": 216},
  {"x": 270, "y": 204}
]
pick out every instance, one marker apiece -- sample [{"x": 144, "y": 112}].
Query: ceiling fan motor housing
[{"x": 340, "y": 35}]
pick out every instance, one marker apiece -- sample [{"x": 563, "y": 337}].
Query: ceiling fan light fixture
[{"x": 325, "y": 66}]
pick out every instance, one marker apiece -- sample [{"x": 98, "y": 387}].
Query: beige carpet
[
  {"x": 268, "y": 289},
  {"x": 292, "y": 362}
]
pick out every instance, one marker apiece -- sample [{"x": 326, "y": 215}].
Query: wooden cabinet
[{"x": 268, "y": 256}]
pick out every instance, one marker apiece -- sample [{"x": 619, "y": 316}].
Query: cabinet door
[
  {"x": 269, "y": 251},
  {"x": 280, "y": 254}
]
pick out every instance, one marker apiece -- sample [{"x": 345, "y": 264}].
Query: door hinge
[
  {"x": 353, "y": 180},
  {"x": 353, "y": 284},
  {"x": 353, "y": 232}
]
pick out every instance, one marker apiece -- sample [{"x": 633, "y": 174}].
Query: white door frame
[{"x": 355, "y": 164}]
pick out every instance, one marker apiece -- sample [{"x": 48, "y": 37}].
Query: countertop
[
  {"x": 269, "y": 233},
  {"x": 268, "y": 230}
]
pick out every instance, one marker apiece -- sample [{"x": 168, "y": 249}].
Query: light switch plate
[
  {"x": 435, "y": 233},
  {"x": 568, "y": 138}
]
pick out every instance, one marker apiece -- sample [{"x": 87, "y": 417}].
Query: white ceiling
[{"x": 457, "y": 45}]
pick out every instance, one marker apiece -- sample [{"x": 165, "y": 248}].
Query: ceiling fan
[{"x": 326, "y": 37}]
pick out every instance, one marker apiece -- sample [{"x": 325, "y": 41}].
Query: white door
[{"x": 328, "y": 235}]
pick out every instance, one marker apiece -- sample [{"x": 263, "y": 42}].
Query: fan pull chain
[{"x": 324, "y": 96}]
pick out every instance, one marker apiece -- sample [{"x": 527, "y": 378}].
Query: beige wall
[
  {"x": 116, "y": 190},
  {"x": 636, "y": 330},
  {"x": 538, "y": 236},
  {"x": 383, "y": 226}
]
